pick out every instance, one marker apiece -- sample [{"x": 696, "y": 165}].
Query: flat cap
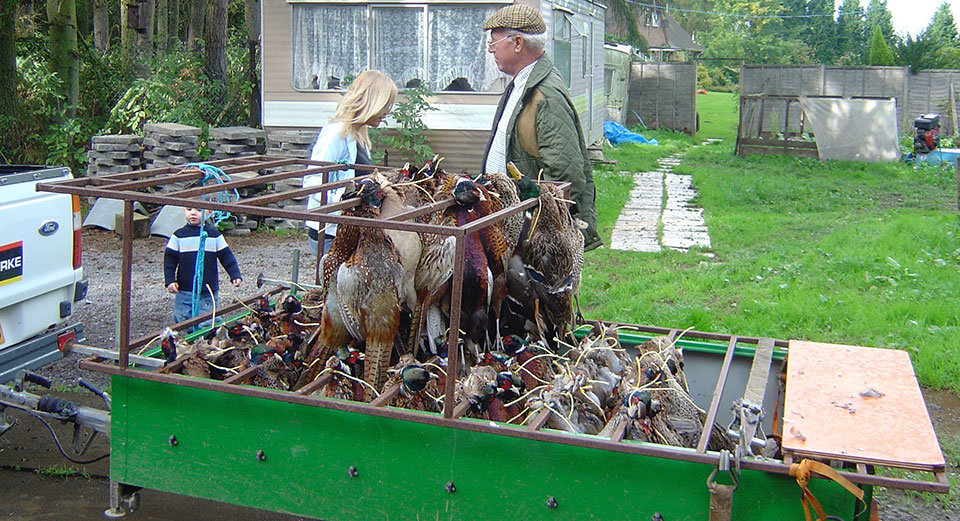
[{"x": 519, "y": 17}]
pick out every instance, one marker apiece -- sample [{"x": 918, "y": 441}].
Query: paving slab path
[{"x": 661, "y": 199}]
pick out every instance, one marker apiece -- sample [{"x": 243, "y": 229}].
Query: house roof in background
[{"x": 669, "y": 35}]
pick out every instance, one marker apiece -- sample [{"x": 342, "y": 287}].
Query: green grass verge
[{"x": 834, "y": 251}]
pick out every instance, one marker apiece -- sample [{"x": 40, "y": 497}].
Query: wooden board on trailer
[{"x": 856, "y": 404}]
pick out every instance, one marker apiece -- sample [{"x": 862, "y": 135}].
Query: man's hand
[
  {"x": 173, "y": 287},
  {"x": 236, "y": 282}
]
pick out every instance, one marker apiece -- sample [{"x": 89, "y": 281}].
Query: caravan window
[
  {"x": 438, "y": 46},
  {"x": 329, "y": 43},
  {"x": 399, "y": 43},
  {"x": 562, "y": 36}
]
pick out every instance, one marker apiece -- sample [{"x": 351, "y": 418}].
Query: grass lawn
[{"x": 833, "y": 251}]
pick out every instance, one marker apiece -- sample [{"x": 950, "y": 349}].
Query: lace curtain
[
  {"x": 328, "y": 44},
  {"x": 399, "y": 39},
  {"x": 458, "y": 49}
]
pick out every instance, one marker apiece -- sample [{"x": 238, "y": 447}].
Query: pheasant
[
  {"x": 333, "y": 333},
  {"x": 478, "y": 280},
  {"x": 552, "y": 255},
  {"x": 408, "y": 244},
  {"x": 368, "y": 291},
  {"x": 341, "y": 385},
  {"x": 432, "y": 276}
]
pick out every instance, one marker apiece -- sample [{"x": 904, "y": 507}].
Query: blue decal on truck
[{"x": 11, "y": 262}]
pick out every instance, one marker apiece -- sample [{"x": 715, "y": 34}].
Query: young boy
[{"x": 180, "y": 261}]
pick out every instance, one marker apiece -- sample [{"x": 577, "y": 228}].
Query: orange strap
[{"x": 802, "y": 472}]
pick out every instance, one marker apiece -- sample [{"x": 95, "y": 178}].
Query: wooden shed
[{"x": 310, "y": 47}]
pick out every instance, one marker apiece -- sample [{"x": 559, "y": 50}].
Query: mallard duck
[{"x": 418, "y": 386}]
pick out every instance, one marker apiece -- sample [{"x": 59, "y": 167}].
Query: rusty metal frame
[{"x": 124, "y": 186}]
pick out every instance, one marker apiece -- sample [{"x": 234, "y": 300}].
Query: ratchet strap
[
  {"x": 721, "y": 496},
  {"x": 802, "y": 472}
]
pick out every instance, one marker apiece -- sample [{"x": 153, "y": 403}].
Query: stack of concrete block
[
  {"x": 114, "y": 154},
  {"x": 291, "y": 143},
  {"x": 228, "y": 142},
  {"x": 169, "y": 144}
]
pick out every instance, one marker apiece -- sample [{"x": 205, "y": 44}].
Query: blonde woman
[{"x": 344, "y": 139}]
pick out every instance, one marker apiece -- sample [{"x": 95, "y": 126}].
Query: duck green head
[{"x": 415, "y": 377}]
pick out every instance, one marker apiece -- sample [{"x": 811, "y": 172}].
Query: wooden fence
[
  {"x": 773, "y": 125},
  {"x": 915, "y": 94},
  {"x": 663, "y": 95}
]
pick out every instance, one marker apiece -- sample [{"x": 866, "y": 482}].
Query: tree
[
  {"x": 880, "y": 53},
  {"x": 8, "y": 64},
  {"x": 851, "y": 32},
  {"x": 162, "y": 34},
  {"x": 879, "y": 16},
  {"x": 195, "y": 24},
  {"x": 942, "y": 29},
  {"x": 215, "y": 38},
  {"x": 64, "y": 57},
  {"x": 821, "y": 31},
  {"x": 252, "y": 21},
  {"x": 136, "y": 35},
  {"x": 101, "y": 25}
]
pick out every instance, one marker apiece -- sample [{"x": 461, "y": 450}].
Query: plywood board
[{"x": 857, "y": 404}]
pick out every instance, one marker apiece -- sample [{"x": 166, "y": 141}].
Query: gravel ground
[
  {"x": 272, "y": 254},
  {"x": 151, "y": 304}
]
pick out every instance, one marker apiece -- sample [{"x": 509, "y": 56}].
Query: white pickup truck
[{"x": 41, "y": 273}]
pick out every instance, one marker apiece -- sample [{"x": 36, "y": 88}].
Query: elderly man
[{"x": 536, "y": 125}]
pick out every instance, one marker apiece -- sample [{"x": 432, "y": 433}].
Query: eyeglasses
[{"x": 490, "y": 44}]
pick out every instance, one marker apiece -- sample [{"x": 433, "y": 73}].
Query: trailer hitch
[{"x": 48, "y": 407}]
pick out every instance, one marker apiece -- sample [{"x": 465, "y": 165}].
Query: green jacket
[{"x": 557, "y": 144}]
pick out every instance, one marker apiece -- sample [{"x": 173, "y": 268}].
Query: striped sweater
[{"x": 180, "y": 258}]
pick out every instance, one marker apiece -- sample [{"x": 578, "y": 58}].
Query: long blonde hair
[{"x": 370, "y": 94}]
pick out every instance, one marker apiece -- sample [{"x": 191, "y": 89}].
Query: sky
[{"x": 913, "y": 16}]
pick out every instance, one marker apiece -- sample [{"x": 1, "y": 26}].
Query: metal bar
[
  {"x": 528, "y": 432},
  {"x": 172, "y": 367},
  {"x": 126, "y": 266},
  {"x": 438, "y": 206},
  {"x": 108, "y": 354},
  {"x": 315, "y": 385},
  {"x": 461, "y": 408},
  {"x": 701, "y": 334},
  {"x": 192, "y": 174},
  {"x": 500, "y": 215},
  {"x": 202, "y": 318},
  {"x": 715, "y": 401},
  {"x": 276, "y": 177},
  {"x": 386, "y": 396},
  {"x": 540, "y": 420},
  {"x": 246, "y": 165},
  {"x": 291, "y": 194},
  {"x": 619, "y": 432},
  {"x": 257, "y": 210},
  {"x": 453, "y": 340},
  {"x": 242, "y": 377}
]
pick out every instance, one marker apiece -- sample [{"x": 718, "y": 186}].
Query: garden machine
[
  {"x": 814, "y": 425},
  {"x": 926, "y": 142}
]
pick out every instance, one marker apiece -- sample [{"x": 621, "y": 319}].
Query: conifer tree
[{"x": 880, "y": 53}]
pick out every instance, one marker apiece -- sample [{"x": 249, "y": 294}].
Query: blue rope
[{"x": 223, "y": 196}]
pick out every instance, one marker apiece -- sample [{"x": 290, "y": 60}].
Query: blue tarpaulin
[{"x": 617, "y": 134}]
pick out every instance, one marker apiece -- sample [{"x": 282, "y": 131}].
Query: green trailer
[{"x": 294, "y": 452}]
